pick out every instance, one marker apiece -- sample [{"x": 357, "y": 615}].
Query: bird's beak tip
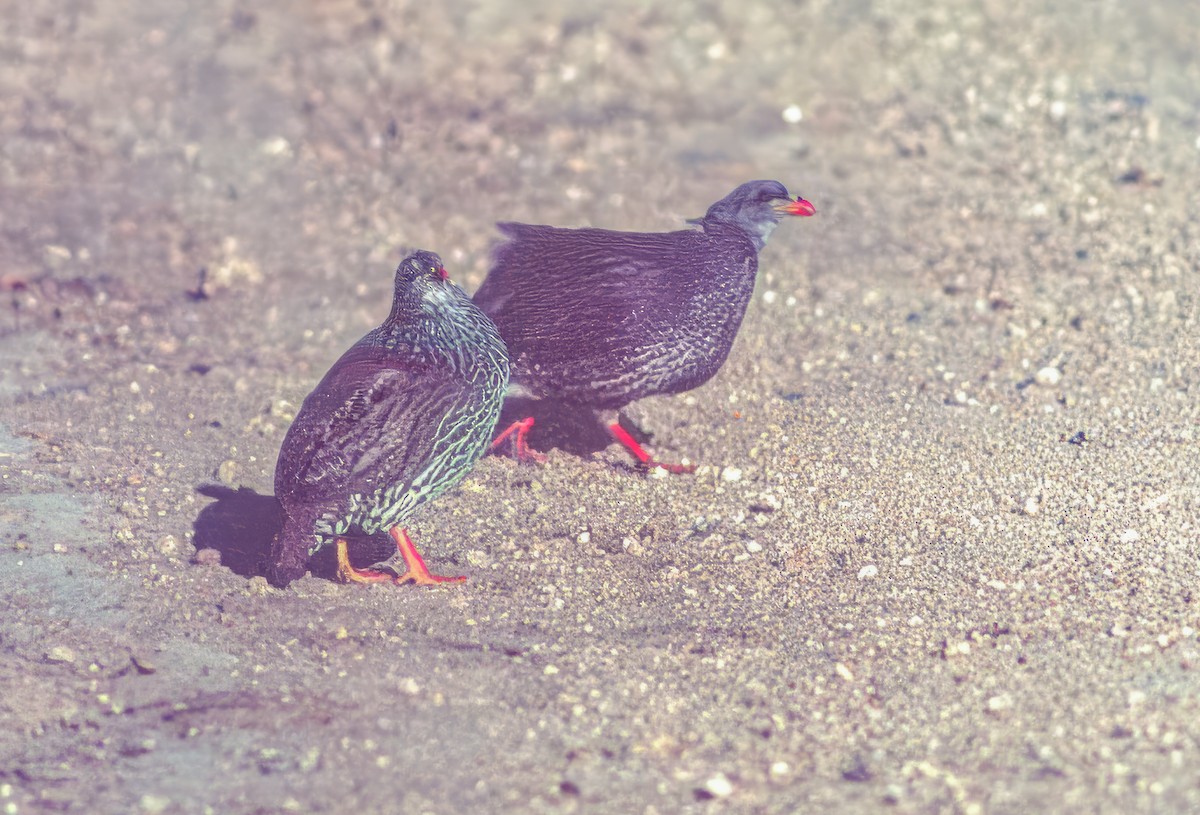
[{"x": 799, "y": 207}]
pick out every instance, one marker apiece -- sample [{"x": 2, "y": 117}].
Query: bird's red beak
[
  {"x": 798, "y": 207},
  {"x": 442, "y": 273}
]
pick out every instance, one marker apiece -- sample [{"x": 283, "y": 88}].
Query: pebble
[
  {"x": 168, "y": 545},
  {"x": 999, "y": 702},
  {"x": 868, "y": 571},
  {"x": 143, "y": 666},
  {"x": 1049, "y": 376},
  {"x": 207, "y": 557},
  {"x": 793, "y": 114},
  {"x": 1031, "y": 506},
  {"x": 227, "y": 472},
  {"x": 257, "y": 585},
  {"x": 60, "y": 653},
  {"x": 153, "y": 804},
  {"x": 718, "y": 786},
  {"x": 731, "y": 474}
]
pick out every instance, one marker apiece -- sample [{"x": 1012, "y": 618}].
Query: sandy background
[{"x": 942, "y": 552}]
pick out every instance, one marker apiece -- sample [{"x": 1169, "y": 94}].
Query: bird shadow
[
  {"x": 241, "y": 524},
  {"x": 576, "y": 430}
]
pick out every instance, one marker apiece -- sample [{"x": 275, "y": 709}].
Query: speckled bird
[
  {"x": 398, "y": 420},
  {"x": 596, "y": 319}
]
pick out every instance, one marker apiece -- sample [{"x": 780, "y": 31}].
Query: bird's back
[
  {"x": 392, "y": 420},
  {"x": 603, "y": 317}
]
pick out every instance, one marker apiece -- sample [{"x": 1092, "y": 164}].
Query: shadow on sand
[
  {"x": 240, "y": 524},
  {"x": 577, "y": 430}
]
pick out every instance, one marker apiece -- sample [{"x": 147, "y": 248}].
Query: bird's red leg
[
  {"x": 524, "y": 451},
  {"x": 644, "y": 458},
  {"x": 417, "y": 572},
  {"x": 348, "y": 574}
]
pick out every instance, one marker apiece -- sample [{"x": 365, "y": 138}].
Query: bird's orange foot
[
  {"x": 520, "y": 433},
  {"x": 644, "y": 458},
  {"x": 416, "y": 572},
  {"x": 348, "y": 574}
]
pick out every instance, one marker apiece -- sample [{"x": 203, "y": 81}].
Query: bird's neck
[
  {"x": 757, "y": 231},
  {"x": 452, "y": 334}
]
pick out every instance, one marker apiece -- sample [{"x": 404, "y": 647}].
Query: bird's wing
[
  {"x": 374, "y": 420},
  {"x": 535, "y": 258},
  {"x": 590, "y": 286}
]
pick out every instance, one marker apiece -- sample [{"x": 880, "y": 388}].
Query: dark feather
[
  {"x": 372, "y": 420},
  {"x": 399, "y": 419}
]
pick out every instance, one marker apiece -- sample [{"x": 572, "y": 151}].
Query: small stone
[
  {"x": 1049, "y": 376},
  {"x": 719, "y": 786},
  {"x": 56, "y": 256},
  {"x": 1129, "y": 536},
  {"x": 793, "y": 114},
  {"x": 227, "y": 472},
  {"x": 584, "y": 537},
  {"x": 753, "y": 547},
  {"x": 868, "y": 571},
  {"x": 207, "y": 557},
  {"x": 1000, "y": 702},
  {"x": 844, "y": 672},
  {"x": 168, "y": 545},
  {"x": 153, "y": 804},
  {"x": 731, "y": 474},
  {"x": 60, "y": 654},
  {"x": 1031, "y": 506},
  {"x": 142, "y": 665},
  {"x": 550, "y": 670},
  {"x": 257, "y": 585},
  {"x": 277, "y": 146}
]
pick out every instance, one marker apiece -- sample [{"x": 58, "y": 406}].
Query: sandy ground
[{"x": 941, "y": 554}]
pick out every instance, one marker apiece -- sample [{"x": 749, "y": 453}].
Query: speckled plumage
[
  {"x": 398, "y": 420},
  {"x": 598, "y": 319}
]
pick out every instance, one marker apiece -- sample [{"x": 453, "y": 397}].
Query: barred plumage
[
  {"x": 398, "y": 420},
  {"x": 595, "y": 319}
]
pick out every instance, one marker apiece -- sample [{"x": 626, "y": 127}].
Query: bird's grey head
[
  {"x": 420, "y": 269},
  {"x": 756, "y": 207},
  {"x": 422, "y": 284}
]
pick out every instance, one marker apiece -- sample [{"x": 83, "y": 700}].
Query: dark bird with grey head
[
  {"x": 595, "y": 319},
  {"x": 398, "y": 420}
]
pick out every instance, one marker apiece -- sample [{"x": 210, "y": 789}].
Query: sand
[{"x": 941, "y": 551}]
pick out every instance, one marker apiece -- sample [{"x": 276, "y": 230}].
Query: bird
[
  {"x": 595, "y": 319},
  {"x": 398, "y": 420}
]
